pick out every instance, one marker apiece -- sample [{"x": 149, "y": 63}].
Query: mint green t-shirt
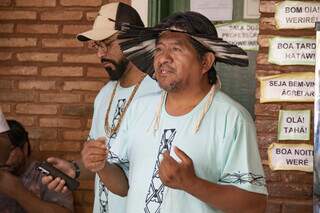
[
  {"x": 105, "y": 201},
  {"x": 224, "y": 151}
]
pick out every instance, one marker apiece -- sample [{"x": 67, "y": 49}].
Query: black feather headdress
[{"x": 138, "y": 43}]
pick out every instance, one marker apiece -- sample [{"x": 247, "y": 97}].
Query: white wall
[{"x": 142, "y": 7}]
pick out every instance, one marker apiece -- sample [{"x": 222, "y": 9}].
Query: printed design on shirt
[
  {"x": 155, "y": 193},
  {"x": 117, "y": 114},
  {"x": 243, "y": 178},
  {"x": 103, "y": 197},
  {"x": 103, "y": 191}
]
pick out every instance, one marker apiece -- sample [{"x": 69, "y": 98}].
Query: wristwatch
[{"x": 76, "y": 168}]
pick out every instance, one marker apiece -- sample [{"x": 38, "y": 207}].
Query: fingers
[
  {"x": 182, "y": 155},
  {"x": 57, "y": 184}
]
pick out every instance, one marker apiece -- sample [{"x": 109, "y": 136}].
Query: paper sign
[
  {"x": 291, "y": 157},
  {"x": 294, "y": 125},
  {"x": 215, "y": 10},
  {"x": 3, "y": 123},
  {"x": 251, "y": 9},
  {"x": 242, "y": 34},
  {"x": 292, "y": 51},
  {"x": 291, "y": 87},
  {"x": 297, "y": 14}
]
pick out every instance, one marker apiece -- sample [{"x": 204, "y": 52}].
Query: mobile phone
[{"x": 48, "y": 169}]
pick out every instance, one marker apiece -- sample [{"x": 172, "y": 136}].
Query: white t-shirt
[
  {"x": 223, "y": 151},
  {"x": 105, "y": 201}
]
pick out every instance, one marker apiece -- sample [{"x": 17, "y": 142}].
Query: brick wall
[
  {"x": 289, "y": 191},
  {"x": 48, "y": 80}
]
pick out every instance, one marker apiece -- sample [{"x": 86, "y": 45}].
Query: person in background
[
  {"x": 21, "y": 189},
  {"x": 126, "y": 83},
  {"x": 200, "y": 152}
]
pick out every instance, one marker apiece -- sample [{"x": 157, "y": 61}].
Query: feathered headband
[{"x": 138, "y": 43}]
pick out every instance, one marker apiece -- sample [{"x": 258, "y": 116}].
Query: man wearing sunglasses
[{"x": 126, "y": 83}]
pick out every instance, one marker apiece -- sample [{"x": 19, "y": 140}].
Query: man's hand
[
  {"x": 58, "y": 184},
  {"x": 174, "y": 174},
  {"x": 10, "y": 184},
  {"x": 94, "y": 154}
]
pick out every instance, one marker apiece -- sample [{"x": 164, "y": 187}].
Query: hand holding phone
[{"x": 48, "y": 169}]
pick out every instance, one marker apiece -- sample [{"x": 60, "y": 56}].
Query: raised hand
[
  {"x": 94, "y": 154},
  {"x": 58, "y": 184},
  {"x": 178, "y": 175}
]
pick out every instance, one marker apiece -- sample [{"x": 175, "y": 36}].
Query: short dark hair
[{"x": 18, "y": 135}]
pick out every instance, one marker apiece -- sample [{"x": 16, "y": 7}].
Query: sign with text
[
  {"x": 242, "y": 34},
  {"x": 294, "y": 125},
  {"x": 292, "y": 51},
  {"x": 297, "y": 14},
  {"x": 291, "y": 157},
  {"x": 290, "y": 87}
]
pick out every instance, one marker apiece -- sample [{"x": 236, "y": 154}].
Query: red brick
[
  {"x": 39, "y": 85},
  {"x": 42, "y": 133},
  {"x": 88, "y": 197},
  {"x": 36, "y": 3},
  {"x": 262, "y": 58},
  {"x": 263, "y": 40},
  {"x": 37, "y": 109},
  {"x": 86, "y": 184},
  {"x": 6, "y": 28},
  {"x": 18, "y": 70},
  {"x": 62, "y": 71},
  {"x": 25, "y": 120},
  {"x": 301, "y": 191},
  {"x": 77, "y": 110},
  {"x": 272, "y": 176},
  {"x": 18, "y": 42},
  {"x": 89, "y": 123},
  {"x": 98, "y": 72},
  {"x": 267, "y": 109},
  {"x": 273, "y": 206},
  {"x": 75, "y": 135},
  {"x": 89, "y": 98},
  {"x": 60, "y": 122},
  {"x": 16, "y": 96},
  {"x": 5, "y": 56},
  {"x": 60, "y": 15},
  {"x": 60, "y": 98},
  {"x": 83, "y": 85},
  {"x": 37, "y": 56},
  {"x": 5, "y": 2},
  {"x": 297, "y": 177},
  {"x": 75, "y": 29},
  {"x": 6, "y": 84},
  {"x": 61, "y": 43},
  {"x": 15, "y": 15},
  {"x": 91, "y": 16},
  {"x": 265, "y": 140},
  {"x": 37, "y": 28},
  {"x": 298, "y": 207},
  {"x": 89, "y": 3},
  {"x": 266, "y": 126},
  {"x": 60, "y": 147},
  {"x": 6, "y": 108},
  {"x": 267, "y": 23},
  {"x": 80, "y": 58}
]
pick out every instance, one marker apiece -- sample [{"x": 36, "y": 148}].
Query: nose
[
  {"x": 101, "y": 52},
  {"x": 163, "y": 57}
]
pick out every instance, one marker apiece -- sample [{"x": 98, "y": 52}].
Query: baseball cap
[{"x": 109, "y": 20}]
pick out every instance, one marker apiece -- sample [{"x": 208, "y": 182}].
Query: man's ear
[{"x": 207, "y": 61}]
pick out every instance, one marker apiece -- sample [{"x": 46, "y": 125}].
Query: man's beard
[{"x": 120, "y": 67}]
